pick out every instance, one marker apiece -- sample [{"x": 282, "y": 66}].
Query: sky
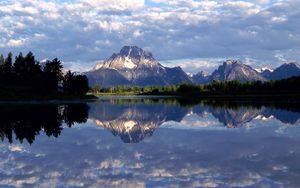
[{"x": 194, "y": 34}]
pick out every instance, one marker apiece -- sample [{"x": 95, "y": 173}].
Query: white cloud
[
  {"x": 277, "y": 19},
  {"x": 115, "y": 4},
  {"x": 16, "y": 42},
  {"x": 239, "y": 4},
  {"x": 175, "y": 29},
  {"x": 196, "y": 64}
]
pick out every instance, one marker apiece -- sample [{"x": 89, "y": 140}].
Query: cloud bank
[{"x": 85, "y": 31}]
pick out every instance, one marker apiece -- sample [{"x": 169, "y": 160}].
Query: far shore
[{"x": 196, "y": 96}]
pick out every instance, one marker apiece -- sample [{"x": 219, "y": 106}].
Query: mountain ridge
[
  {"x": 235, "y": 70},
  {"x": 133, "y": 66},
  {"x": 285, "y": 70}
]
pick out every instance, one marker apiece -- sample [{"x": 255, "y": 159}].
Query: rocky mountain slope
[
  {"x": 135, "y": 66},
  {"x": 235, "y": 70},
  {"x": 284, "y": 71},
  {"x": 200, "y": 78}
]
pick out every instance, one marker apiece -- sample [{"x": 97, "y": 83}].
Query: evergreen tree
[
  {"x": 67, "y": 83},
  {"x": 2, "y": 60},
  {"x": 26, "y": 77},
  {"x": 75, "y": 84},
  {"x": 31, "y": 65},
  {"x": 19, "y": 65},
  {"x": 8, "y": 64},
  {"x": 53, "y": 74},
  {"x": 5, "y": 70}
]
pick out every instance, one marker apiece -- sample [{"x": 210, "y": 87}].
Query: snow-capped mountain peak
[
  {"x": 135, "y": 66},
  {"x": 236, "y": 70},
  {"x": 130, "y": 57}
]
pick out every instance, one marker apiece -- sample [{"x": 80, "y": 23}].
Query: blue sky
[{"x": 196, "y": 35}]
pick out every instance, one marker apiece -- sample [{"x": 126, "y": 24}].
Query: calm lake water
[{"x": 150, "y": 142}]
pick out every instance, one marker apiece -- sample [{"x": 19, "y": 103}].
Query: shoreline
[
  {"x": 187, "y": 96},
  {"x": 225, "y": 96},
  {"x": 57, "y": 98}
]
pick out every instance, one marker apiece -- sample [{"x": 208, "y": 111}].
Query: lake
[{"x": 150, "y": 142}]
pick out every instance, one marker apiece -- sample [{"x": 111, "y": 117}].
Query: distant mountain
[
  {"x": 200, "y": 78},
  {"x": 135, "y": 66},
  {"x": 284, "y": 71},
  {"x": 266, "y": 73},
  {"x": 260, "y": 70},
  {"x": 235, "y": 70}
]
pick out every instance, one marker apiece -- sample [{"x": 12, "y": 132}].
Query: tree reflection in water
[{"x": 28, "y": 120}]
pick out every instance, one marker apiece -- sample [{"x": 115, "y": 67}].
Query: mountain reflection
[
  {"x": 25, "y": 121},
  {"x": 235, "y": 118},
  {"x": 134, "y": 119}
]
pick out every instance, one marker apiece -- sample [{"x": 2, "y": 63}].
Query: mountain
[
  {"x": 284, "y": 71},
  {"x": 235, "y": 70},
  {"x": 260, "y": 70},
  {"x": 135, "y": 66},
  {"x": 200, "y": 78},
  {"x": 266, "y": 73}
]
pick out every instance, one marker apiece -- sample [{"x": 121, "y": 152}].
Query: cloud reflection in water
[{"x": 87, "y": 155}]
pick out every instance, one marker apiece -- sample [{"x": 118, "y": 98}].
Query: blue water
[{"x": 149, "y": 143}]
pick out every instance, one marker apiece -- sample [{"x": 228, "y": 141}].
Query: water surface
[{"x": 150, "y": 142}]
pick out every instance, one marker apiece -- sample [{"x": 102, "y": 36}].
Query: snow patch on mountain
[
  {"x": 262, "y": 69},
  {"x": 129, "y": 64}
]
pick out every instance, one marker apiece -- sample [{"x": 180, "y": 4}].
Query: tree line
[
  {"x": 24, "y": 75},
  {"x": 285, "y": 86}
]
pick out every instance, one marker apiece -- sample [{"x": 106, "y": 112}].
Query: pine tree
[
  {"x": 8, "y": 64},
  {"x": 2, "y": 60}
]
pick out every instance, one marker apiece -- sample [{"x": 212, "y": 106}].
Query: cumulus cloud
[
  {"x": 86, "y": 31},
  {"x": 16, "y": 42},
  {"x": 195, "y": 64}
]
